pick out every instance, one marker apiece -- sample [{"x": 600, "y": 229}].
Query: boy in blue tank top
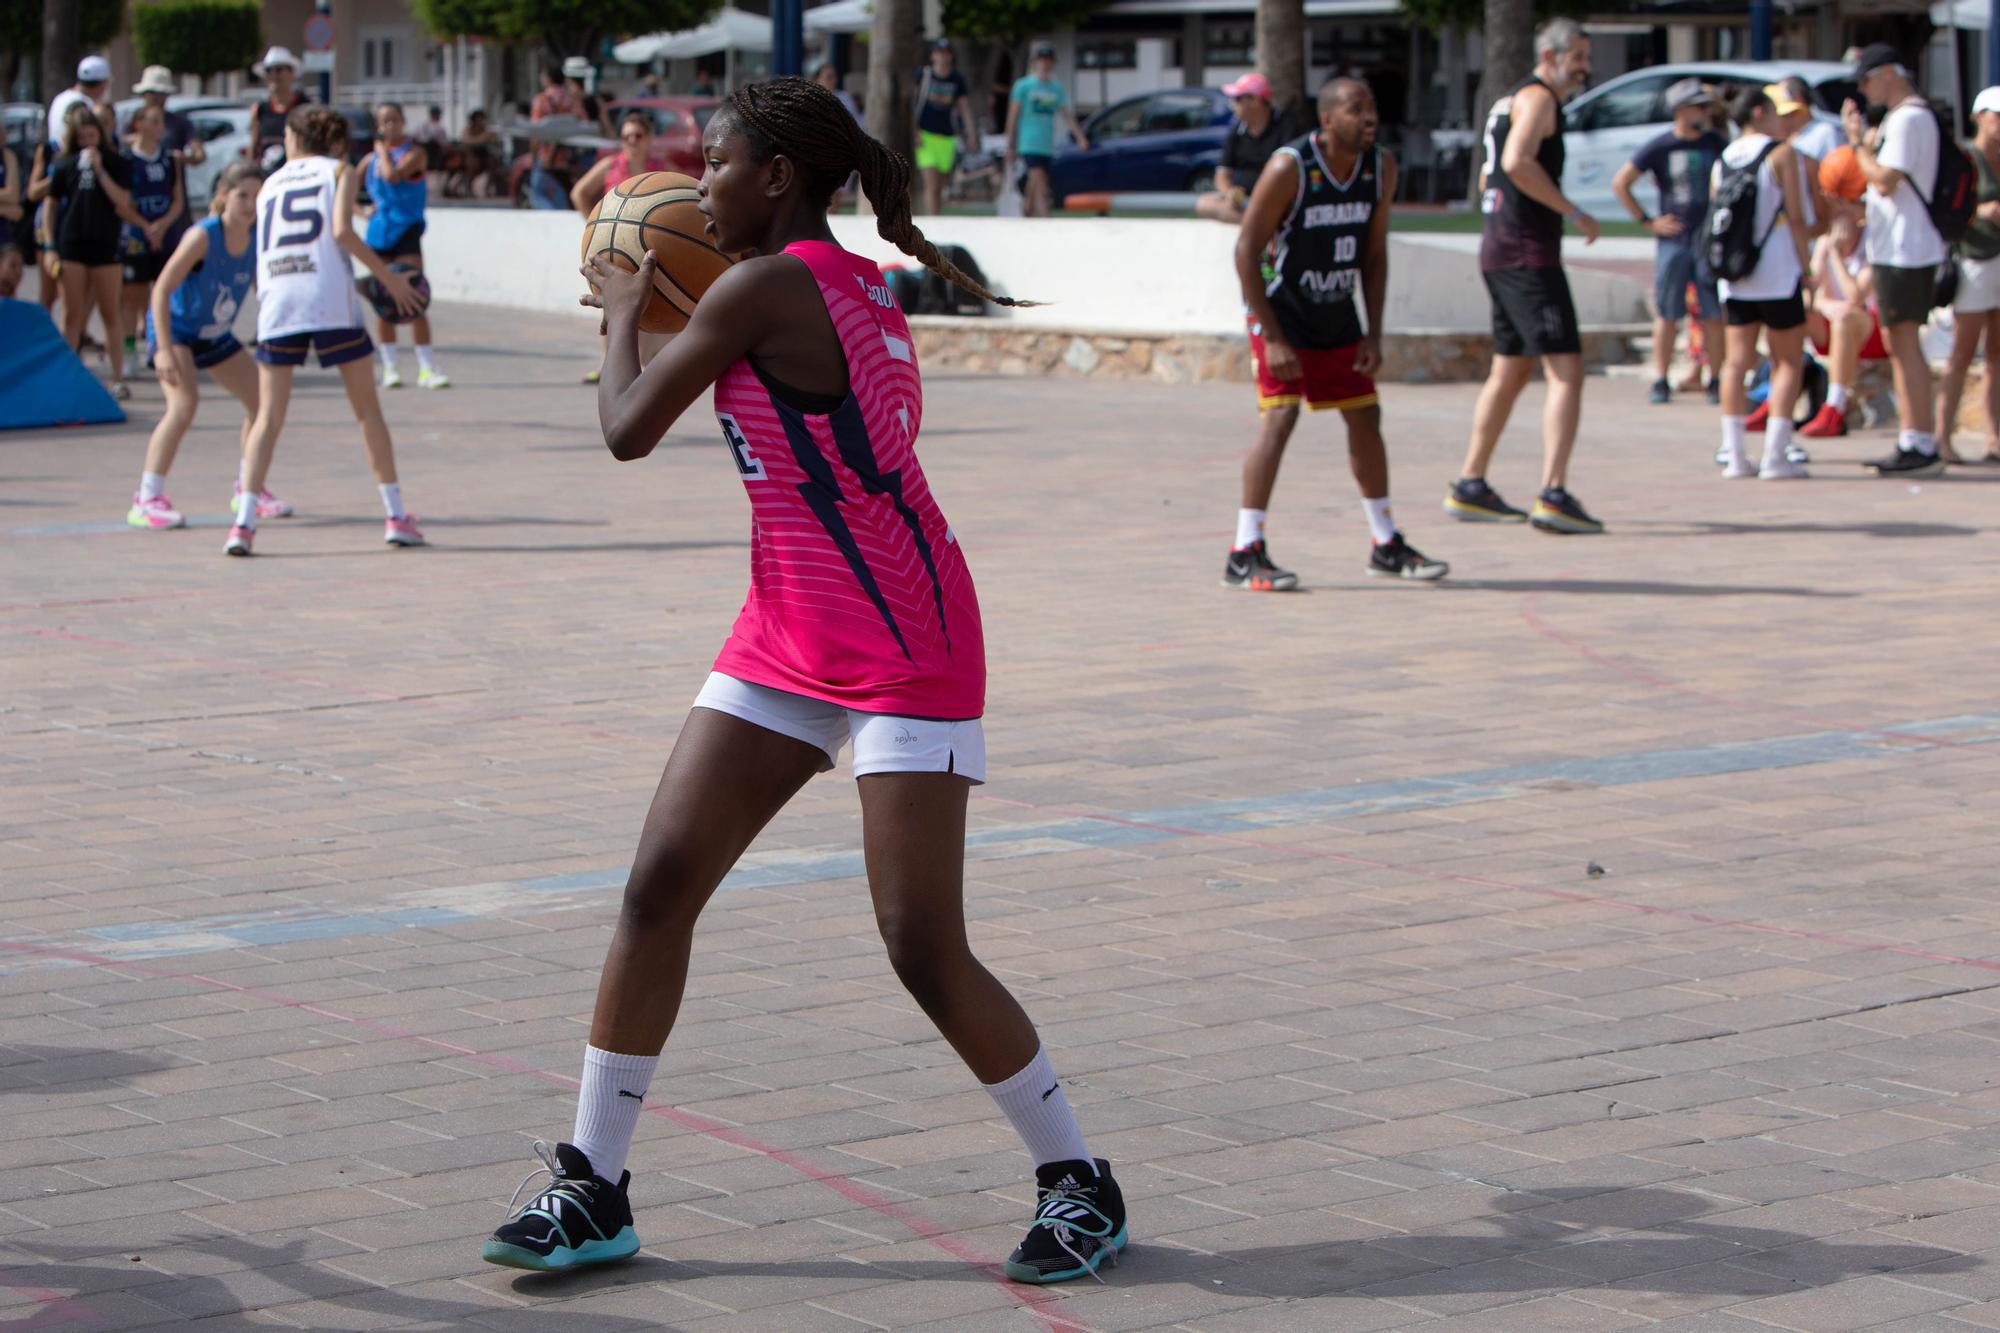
[{"x": 394, "y": 176}]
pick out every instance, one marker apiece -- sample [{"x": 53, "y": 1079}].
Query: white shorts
[
  {"x": 883, "y": 742},
  {"x": 1978, "y": 286}
]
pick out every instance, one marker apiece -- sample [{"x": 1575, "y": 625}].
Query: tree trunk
[
  {"x": 1510, "y": 57},
  {"x": 892, "y": 56},
  {"x": 1281, "y": 50},
  {"x": 59, "y": 46}
]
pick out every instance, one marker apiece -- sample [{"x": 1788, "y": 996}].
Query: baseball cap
[
  {"x": 1988, "y": 100},
  {"x": 1688, "y": 92},
  {"x": 1873, "y": 57},
  {"x": 1840, "y": 175},
  {"x": 1782, "y": 102},
  {"x": 156, "y": 79},
  {"x": 1250, "y": 85},
  {"x": 279, "y": 56},
  {"x": 577, "y": 67},
  {"x": 1042, "y": 51},
  {"x": 93, "y": 69},
  {"x": 944, "y": 44}
]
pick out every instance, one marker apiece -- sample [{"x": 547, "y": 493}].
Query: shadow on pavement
[
  {"x": 1637, "y": 588},
  {"x": 1888, "y": 528},
  {"x": 74, "y": 1069}
]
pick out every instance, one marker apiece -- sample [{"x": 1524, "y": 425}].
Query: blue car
[{"x": 1156, "y": 141}]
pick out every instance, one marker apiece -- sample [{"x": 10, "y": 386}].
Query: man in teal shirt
[{"x": 1032, "y": 109}]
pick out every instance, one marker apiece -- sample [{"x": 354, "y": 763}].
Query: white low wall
[{"x": 1128, "y": 275}]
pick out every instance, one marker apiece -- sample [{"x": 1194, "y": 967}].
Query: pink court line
[{"x": 852, "y": 1190}]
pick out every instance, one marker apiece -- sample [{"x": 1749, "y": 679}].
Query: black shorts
[
  {"x": 145, "y": 267},
  {"x": 1905, "y": 295},
  {"x": 1533, "y": 314},
  {"x": 333, "y": 347},
  {"x": 205, "y": 351},
  {"x": 409, "y": 244},
  {"x": 89, "y": 252},
  {"x": 1780, "y": 315}
]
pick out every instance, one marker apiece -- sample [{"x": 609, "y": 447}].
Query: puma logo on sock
[{"x": 633, "y": 1095}]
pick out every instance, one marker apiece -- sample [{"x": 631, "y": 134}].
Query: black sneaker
[
  {"x": 1250, "y": 568},
  {"x": 1396, "y": 558},
  {"x": 1714, "y": 393},
  {"x": 580, "y": 1219},
  {"x": 1556, "y": 510},
  {"x": 1909, "y": 463},
  {"x": 1659, "y": 393},
  {"x": 1079, "y": 1224},
  {"x": 1472, "y": 500}
]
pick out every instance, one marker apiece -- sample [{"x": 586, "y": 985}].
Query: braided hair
[{"x": 808, "y": 125}]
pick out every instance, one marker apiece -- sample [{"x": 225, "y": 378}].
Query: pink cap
[{"x": 1250, "y": 85}]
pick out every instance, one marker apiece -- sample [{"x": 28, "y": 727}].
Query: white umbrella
[
  {"x": 730, "y": 30},
  {"x": 847, "y": 16}
]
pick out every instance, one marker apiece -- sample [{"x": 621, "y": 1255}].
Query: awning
[
  {"x": 730, "y": 30},
  {"x": 1315, "y": 9},
  {"x": 848, "y": 16},
  {"x": 1970, "y": 13}
]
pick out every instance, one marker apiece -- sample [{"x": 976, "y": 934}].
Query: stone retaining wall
[{"x": 995, "y": 347}]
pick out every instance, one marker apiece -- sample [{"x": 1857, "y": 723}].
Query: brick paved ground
[{"x": 307, "y": 864}]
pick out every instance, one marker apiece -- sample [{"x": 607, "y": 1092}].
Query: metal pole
[
  {"x": 1992, "y": 42},
  {"x": 325, "y": 76},
  {"x": 1760, "y": 29},
  {"x": 788, "y": 36}
]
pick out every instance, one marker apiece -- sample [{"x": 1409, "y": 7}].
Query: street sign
[
  {"x": 319, "y": 32},
  {"x": 317, "y": 62}
]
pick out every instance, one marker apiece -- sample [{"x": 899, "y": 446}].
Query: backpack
[
  {"x": 941, "y": 297},
  {"x": 1730, "y": 242},
  {"x": 1955, "y": 192}
]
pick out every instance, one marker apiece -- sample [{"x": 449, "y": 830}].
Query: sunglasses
[{"x": 633, "y": 138}]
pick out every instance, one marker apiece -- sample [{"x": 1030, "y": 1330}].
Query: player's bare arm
[
  {"x": 1375, "y": 268},
  {"x": 1535, "y": 118},
  {"x": 1276, "y": 190},
  {"x": 350, "y": 240}
]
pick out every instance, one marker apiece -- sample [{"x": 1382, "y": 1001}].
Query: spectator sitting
[
  {"x": 1841, "y": 321},
  {"x": 1260, "y": 130},
  {"x": 578, "y": 74},
  {"x": 432, "y": 134},
  {"x": 553, "y": 102}
]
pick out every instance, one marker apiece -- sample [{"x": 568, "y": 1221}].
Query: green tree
[
  {"x": 561, "y": 27},
  {"x": 202, "y": 37},
  {"x": 1012, "y": 20},
  {"x": 1281, "y": 50},
  {"x": 21, "y": 22}
]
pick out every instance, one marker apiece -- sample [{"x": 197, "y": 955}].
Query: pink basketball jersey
[{"x": 859, "y": 594}]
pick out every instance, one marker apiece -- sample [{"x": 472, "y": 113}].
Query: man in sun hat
[
  {"x": 154, "y": 87},
  {"x": 280, "y": 69}
]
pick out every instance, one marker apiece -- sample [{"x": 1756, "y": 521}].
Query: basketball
[
  {"x": 657, "y": 212},
  {"x": 384, "y": 305}
]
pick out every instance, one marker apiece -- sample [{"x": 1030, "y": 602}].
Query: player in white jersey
[{"x": 306, "y": 299}]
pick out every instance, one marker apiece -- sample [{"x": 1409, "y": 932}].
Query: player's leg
[
  {"x": 133, "y": 297},
  {"x": 400, "y": 529},
  {"x": 428, "y": 375},
  {"x": 1470, "y": 497},
  {"x": 1788, "y": 357},
  {"x": 724, "y": 781},
  {"x": 1389, "y": 555},
  {"x": 107, "y": 283},
  {"x": 1249, "y": 565},
  {"x": 1673, "y": 265},
  {"x": 74, "y": 281},
  {"x": 1038, "y": 192},
  {"x": 1739, "y": 358},
  {"x": 150, "y": 506},
  {"x": 1951, "y": 386},
  {"x": 913, "y": 833},
  {"x": 1992, "y": 387},
  {"x": 274, "y": 398},
  {"x": 49, "y": 290}
]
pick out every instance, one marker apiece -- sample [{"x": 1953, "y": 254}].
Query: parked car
[
  {"x": 24, "y": 124},
  {"x": 677, "y": 126},
  {"x": 222, "y": 126},
  {"x": 1157, "y": 141},
  {"x": 1606, "y": 125}
]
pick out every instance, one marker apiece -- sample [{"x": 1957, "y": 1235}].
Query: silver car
[{"x": 1605, "y": 126}]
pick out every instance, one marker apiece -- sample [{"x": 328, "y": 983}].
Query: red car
[{"x": 677, "y": 126}]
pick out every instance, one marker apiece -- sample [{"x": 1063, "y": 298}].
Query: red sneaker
[
  {"x": 1755, "y": 421},
  {"x": 1829, "y": 421}
]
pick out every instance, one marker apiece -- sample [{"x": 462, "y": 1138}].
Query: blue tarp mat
[{"x": 41, "y": 381}]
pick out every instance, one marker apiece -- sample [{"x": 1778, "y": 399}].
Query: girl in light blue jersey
[
  {"x": 189, "y": 328},
  {"x": 394, "y": 176}
]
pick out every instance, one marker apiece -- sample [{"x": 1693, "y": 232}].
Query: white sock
[
  {"x": 1920, "y": 441},
  {"x": 424, "y": 361},
  {"x": 388, "y": 354},
  {"x": 1381, "y": 525},
  {"x": 1836, "y": 397},
  {"x": 243, "y": 476},
  {"x": 246, "y": 510},
  {"x": 1034, "y": 1104},
  {"x": 392, "y": 499},
  {"x": 1249, "y": 527},
  {"x": 1732, "y": 437},
  {"x": 608, "y": 1106},
  {"x": 1777, "y": 440},
  {"x": 151, "y": 485}
]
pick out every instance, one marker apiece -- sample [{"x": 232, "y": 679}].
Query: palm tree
[
  {"x": 1281, "y": 50},
  {"x": 892, "y": 61},
  {"x": 60, "y": 39},
  {"x": 1510, "y": 56}
]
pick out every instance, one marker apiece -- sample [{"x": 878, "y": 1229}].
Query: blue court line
[{"x": 774, "y": 869}]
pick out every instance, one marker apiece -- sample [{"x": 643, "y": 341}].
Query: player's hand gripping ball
[
  {"x": 383, "y": 302},
  {"x": 657, "y": 212}
]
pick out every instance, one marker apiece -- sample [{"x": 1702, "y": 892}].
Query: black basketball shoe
[
  {"x": 1397, "y": 559},
  {"x": 1250, "y": 568},
  {"x": 581, "y": 1218},
  {"x": 1471, "y": 500},
  {"x": 1079, "y": 1224}
]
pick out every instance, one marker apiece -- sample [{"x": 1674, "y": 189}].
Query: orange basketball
[
  {"x": 1840, "y": 175},
  {"x": 656, "y": 211}
]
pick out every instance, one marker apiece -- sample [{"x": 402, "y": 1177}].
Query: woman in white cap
[
  {"x": 1977, "y": 308},
  {"x": 267, "y": 118}
]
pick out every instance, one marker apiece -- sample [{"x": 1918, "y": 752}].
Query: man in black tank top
[
  {"x": 1520, "y": 258},
  {"x": 1315, "y": 233}
]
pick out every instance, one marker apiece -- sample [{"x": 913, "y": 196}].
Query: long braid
[{"x": 807, "y": 123}]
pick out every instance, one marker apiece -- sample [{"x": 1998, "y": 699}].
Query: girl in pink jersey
[{"x": 861, "y": 624}]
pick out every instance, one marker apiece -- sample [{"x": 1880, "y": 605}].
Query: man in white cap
[
  {"x": 93, "y": 79},
  {"x": 154, "y": 87},
  {"x": 267, "y": 118}
]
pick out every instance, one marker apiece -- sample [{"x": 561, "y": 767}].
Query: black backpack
[
  {"x": 943, "y": 297},
  {"x": 1730, "y": 242},
  {"x": 1955, "y": 192}
]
